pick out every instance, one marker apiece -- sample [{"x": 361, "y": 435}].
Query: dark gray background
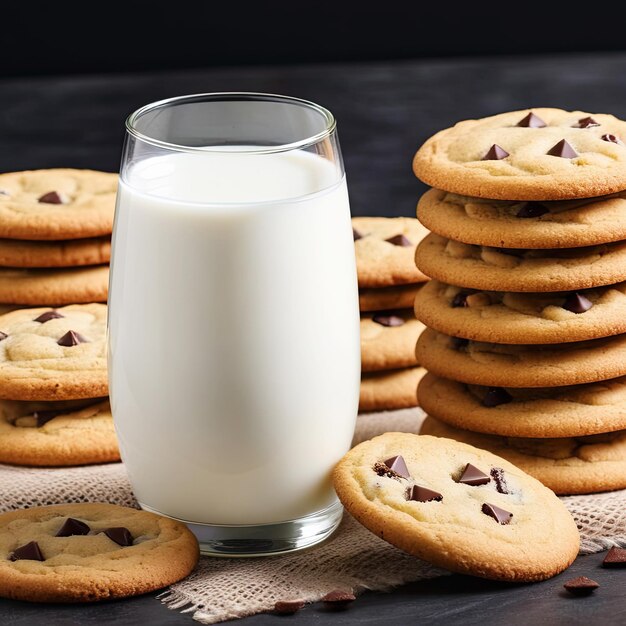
[{"x": 385, "y": 110}]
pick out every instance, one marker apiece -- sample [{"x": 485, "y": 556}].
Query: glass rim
[{"x": 218, "y": 96}]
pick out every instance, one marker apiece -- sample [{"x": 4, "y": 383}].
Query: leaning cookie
[
  {"x": 90, "y": 552},
  {"x": 54, "y": 354},
  {"x": 538, "y": 154},
  {"x": 571, "y": 411},
  {"x": 500, "y": 269},
  {"x": 503, "y": 365},
  {"x": 52, "y": 287},
  {"x": 457, "y": 507},
  {"x": 509, "y": 317},
  {"x": 566, "y": 465},
  {"x": 57, "y": 433},
  {"x": 519, "y": 224},
  {"x": 385, "y": 250},
  {"x": 389, "y": 390},
  {"x": 69, "y": 253},
  {"x": 388, "y": 340},
  {"x": 57, "y": 204}
]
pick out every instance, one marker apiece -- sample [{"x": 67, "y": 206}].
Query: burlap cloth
[{"x": 222, "y": 589}]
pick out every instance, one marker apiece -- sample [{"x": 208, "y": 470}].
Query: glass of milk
[{"x": 234, "y": 357}]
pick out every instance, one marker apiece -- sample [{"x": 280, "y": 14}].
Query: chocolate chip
[
  {"x": 3, "y": 336},
  {"x": 459, "y": 300},
  {"x": 563, "y": 150},
  {"x": 458, "y": 343},
  {"x": 500, "y": 515},
  {"x": 288, "y": 607},
  {"x": 27, "y": 552},
  {"x": 48, "y": 315},
  {"x": 496, "y": 396},
  {"x": 43, "y": 417},
  {"x": 120, "y": 535},
  {"x": 397, "y": 465},
  {"x": 422, "y": 494},
  {"x": 532, "y": 209},
  {"x": 517, "y": 252},
  {"x": 577, "y": 303},
  {"x": 399, "y": 240},
  {"x": 52, "y": 197},
  {"x": 581, "y": 586},
  {"x": 497, "y": 473},
  {"x": 388, "y": 320},
  {"x": 4, "y": 192},
  {"x": 587, "y": 122},
  {"x": 473, "y": 476},
  {"x": 612, "y": 139},
  {"x": 532, "y": 121},
  {"x": 72, "y": 338},
  {"x": 356, "y": 234},
  {"x": 338, "y": 599},
  {"x": 615, "y": 557},
  {"x": 495, "y": 153},
  {"x": 71, "y": 527}
]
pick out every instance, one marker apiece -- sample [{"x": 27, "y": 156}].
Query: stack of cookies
[
  {"x": 55, "y": 236},
  {"x": 54, "y": 408},
  {"x": 388, "y": 282},
  {"x": 526, "y": 313}
]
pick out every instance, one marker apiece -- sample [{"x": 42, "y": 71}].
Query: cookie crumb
[
  {"x": 338, "y": 599},
  {"x": 288, "y": 607},
  {"x": 581, "y": 586}
]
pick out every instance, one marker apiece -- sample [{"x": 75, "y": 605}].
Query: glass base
[{"x": 264, "y": 539}]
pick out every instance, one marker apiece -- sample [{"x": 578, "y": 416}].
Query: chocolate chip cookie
[
  {"x": 493, "y": 364},
  {"x": 458, "y": 507},
  {"x": 78, "y": 432},
  {"x": 509, "y": 317},
  {"x": 54, "y": 354},
  {"x": 57, "y": 204},
  {"x": 389, "y": 390},
  {"x": 520, "y": 224},
  {"x": 570, "y": 411},
  {"x": 90, "y": 552},
  {"x": 538, "y": 154},
  {"x": 504, "y": 269},
  {"x": 567, "y": 465},
  {"x": 385, "y": 249},
  {"x": 388, "y": 340},
  {"x": 67, "y": 285}
]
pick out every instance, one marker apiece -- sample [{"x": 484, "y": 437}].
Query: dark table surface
[{"x": 384, "y": 112}]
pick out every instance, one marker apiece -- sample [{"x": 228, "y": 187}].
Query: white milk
[{"x": 234, "y": 334}]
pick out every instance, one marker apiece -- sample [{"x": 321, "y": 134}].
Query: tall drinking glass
[{"x": 233, "y": 318}]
